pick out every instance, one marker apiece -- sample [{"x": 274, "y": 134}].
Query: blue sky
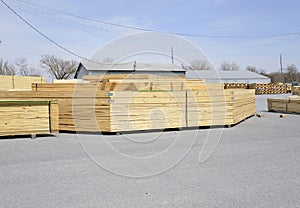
[{"x": 204, "y": 17}]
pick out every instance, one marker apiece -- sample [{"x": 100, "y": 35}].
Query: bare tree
[
  {"x": 252, "y": 69},
  {"x": 225, "y": 66},
  {"x": 6, "y": 68},
  {"x": 200, "y": 65},
  {"x": 24, "y": 70},
  {"x": 58, "y": 68},
  {"x": 35, "y": 72},
  {"x": 291, "y": 73},
  {"x": 263, "y": 72},
  {"x": 184, "y": 66},
  {"x": 22, "y": 65}
]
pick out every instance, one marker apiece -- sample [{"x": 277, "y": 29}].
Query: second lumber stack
[{"x": 114, "y": 105}]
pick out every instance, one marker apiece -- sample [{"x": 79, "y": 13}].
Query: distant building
[
  {"x": 218, "y": 76},
  {"x": 93, "y": 68}
]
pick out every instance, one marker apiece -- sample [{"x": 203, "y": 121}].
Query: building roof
[
  {"x": 130, "y": 66},
  {"x": 224, "y": 75}
]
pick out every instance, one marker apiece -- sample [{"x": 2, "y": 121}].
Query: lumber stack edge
[
  {"x": 286, "y": 105},
  {"x": 28, "y": 117}
]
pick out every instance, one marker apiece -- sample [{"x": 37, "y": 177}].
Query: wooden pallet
[
  {"x": 28, "y": 117},
  {"x": 287, "y": 105}
]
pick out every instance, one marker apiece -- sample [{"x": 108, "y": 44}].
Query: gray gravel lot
[{"x": 255, "y": 164}]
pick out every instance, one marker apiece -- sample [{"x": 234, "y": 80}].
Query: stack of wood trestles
[
  {"x": 269, "y": 88},
  {"x": 288, "y": 105},
  {"x": 28, "y": 117},
  {"x": 19, "y": 82},
  {"x": 236, "y": 86},
  {"x": 116, "y": 103},
  {"x": 260, "y": 89}
]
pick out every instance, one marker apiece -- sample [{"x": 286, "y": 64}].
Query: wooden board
[{"x": 28, "y": 117}]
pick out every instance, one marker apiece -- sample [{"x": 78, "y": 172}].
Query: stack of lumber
[
  {"x": 207, "y": 106},
  {"x": 288, "y": 105},
  {"x": 243, "y": 104},
  {"x": 296, "y": 90},
  {"x": 213, "y": 106},
  {"x": 236, "y": 86},
  {"x": 145, "y": 110},
  {"x": 6, "y": 82},
  {"x": 113, "y": 105},
  {"x": 269, "y": 88},
  {"x": 131, "y": 102},
  {"x": 72, "y": 104},
  {"x": 28, "y": 117},
  {"x": 19, "y": 82}
]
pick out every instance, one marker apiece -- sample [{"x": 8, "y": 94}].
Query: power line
[
  {"x": 45, "y": 36},
  {"x": 153, "y": 30},
  {"x": 61, "y": 16}
]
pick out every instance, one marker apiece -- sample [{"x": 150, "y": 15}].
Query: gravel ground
[{"x": 253, "y": 164}]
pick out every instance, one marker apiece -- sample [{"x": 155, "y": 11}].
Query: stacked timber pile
[
  {"x": 66, "y": 102},
  {"x": 28, "y": 117},
  {"x": 113, "y": 103},
  {"x": 145, "y": 110},
  {"x": 236, "y": 86},
  {"x": 288, "y": 105},
  {"x": 243, "y": 104},
  {"x": 19, "y": 82},
  {"x": 269, "y": 88},
  {"x": 296, "y": 90}
]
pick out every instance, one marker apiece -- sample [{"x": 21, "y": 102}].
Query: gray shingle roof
[
  {"x": 93, "y": 66},
  {"x": 218, "y": 74}
]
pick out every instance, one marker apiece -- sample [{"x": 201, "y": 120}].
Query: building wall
[{"x": 82, "y": 72}]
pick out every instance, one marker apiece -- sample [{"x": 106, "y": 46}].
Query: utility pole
[
  {"x": 172, "y": 55},
  {"x": 134, "y": 66},
  {"x": 281, "y": 68}
]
